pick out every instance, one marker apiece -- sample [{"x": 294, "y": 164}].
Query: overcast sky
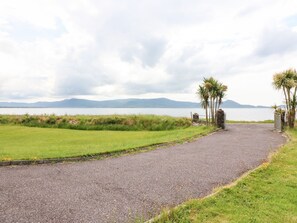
[{"x": 95, "y": 49}]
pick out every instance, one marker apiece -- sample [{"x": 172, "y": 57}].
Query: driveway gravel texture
[{"x": 140, "y": 185}]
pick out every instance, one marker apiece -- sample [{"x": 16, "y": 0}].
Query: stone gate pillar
[
  {"x": 195, "y": 118},
  {"x": 279, "y": 121},
  {"x": 220, "y": 119}
]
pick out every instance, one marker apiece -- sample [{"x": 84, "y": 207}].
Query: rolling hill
[{"x": 119, "y": 103}]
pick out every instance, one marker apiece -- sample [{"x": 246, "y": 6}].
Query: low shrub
[{"x": 103, "y": 122}]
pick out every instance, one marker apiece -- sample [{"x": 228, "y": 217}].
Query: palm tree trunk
[
  {"x": 206, "y": 114},
  {"x": 213, "y": 114},
  {"x": 292, "y": 118},
  {"x": 209, "y": 114},
  {"x": 286, "y": 99},
  {"x": 287, "y": 105},
  {"x": 212, "y": 110},
  {"x": 290, "y": 110},
  {"x": 293, "y": 109},
  {"x": 216, "y": 108},
  {"x": 289, "y": 98},
  {"x": 220, "y": 102}
]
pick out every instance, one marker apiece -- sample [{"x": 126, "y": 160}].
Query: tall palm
[
  {"x": 204, "y": 98},
  {"x": 212, "y": 86},
  {"x": 279, "y": 83},
  {"x": 221, "y": 94}
]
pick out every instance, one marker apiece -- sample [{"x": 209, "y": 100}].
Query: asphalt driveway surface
[{"x": 140, "y": 185}]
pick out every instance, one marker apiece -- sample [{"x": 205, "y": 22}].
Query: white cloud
[{"x": 111, "y": 49}]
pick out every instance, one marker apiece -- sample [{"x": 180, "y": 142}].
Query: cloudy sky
[{"x": 95, "y": 49}]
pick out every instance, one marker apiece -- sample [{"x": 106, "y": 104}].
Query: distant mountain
[
  {"x": 119, "y": 103},
  {"x": 234, "y": 104}
]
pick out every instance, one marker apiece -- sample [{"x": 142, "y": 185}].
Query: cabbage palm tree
[
  {"x": 287, "y": 82},
  {"x": 204, "y": 98},
  {"x": 211, "y": 85},
  {"x": 220, "y": 95},
  {"x": 211, "y": 93}
]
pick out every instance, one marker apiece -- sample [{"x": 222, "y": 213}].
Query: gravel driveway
[{"x": 120, "y": 189}]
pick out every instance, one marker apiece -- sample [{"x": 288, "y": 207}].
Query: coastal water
[{"x": 237, "y": 114}]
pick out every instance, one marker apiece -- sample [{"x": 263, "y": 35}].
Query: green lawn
[
  {"x": 19, "y": 142},
  {"x": 268, "y": 194}
]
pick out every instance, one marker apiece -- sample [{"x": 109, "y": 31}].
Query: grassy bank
[
  {"x": 268, "y": 194},
  {"x": 19, "y": 142},
  {"x": 103, "y": 122}
]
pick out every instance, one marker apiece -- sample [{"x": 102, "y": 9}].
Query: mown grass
[
  {"x": 102, "y": 122},
  {"x": 268, "y": 194},
  {"x": 31, "y": 143}
]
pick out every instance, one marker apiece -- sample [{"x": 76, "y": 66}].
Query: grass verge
[
  {"x": 268, "y": 194},
  {"x": 29, "y": 143}
]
